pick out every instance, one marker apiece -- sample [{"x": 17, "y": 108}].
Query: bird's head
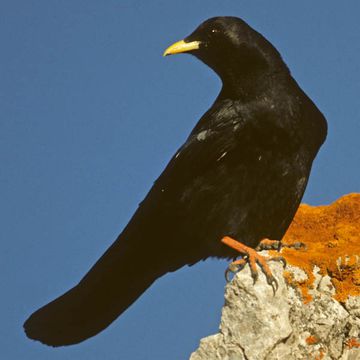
[{"x": 235, "y": 51}]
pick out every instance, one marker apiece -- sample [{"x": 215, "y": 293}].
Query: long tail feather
[{"x": 108, "y": 289}]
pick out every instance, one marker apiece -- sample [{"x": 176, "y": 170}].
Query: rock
[
  {"x": 257, "y": 325},
  {"x": 312, "y": 315},
  {"x": 332, "y": 238}
]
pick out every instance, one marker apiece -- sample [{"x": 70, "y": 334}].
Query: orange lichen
[
  {"x": 352, "y": 343},
  {"x": 312, "y": 340},
  {"x": 321, "y": 354},
  {"x": 302, "y": 285},
  {"x": 332, "y": 238}
]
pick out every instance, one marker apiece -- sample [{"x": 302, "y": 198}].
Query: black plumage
[{"x": 241, "y": 172}]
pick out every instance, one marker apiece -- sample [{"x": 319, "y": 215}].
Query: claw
[
  {"x": 234, "y": 267},
  {"x": 253, "y": 259},
  {"x": 299, "y": 245},
  {"x": 267, "y": 244},
  {"x": 274, "y": 284},
  {"x": 279, "y": 258},
  {"x": 227, "y": 277},
  {"x": 254, "y": 274},
  {"x": 271, "y": 280}
]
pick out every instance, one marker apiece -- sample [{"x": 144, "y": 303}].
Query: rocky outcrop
[{"x": 315, "y": 314}]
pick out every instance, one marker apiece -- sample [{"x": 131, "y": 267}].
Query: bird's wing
[
  {"x": 202, "y": 152},
  {"x": 196, "y": 157}
]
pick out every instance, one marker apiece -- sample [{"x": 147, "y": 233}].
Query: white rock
[{"x": 256, "y": 325}]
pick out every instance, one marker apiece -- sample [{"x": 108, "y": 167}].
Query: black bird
[{"x": 240, "y": 174}]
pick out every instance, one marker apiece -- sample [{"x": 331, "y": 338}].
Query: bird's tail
[{"x": 120, "y": 276}]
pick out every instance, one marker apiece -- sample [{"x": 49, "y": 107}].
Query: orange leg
[{"x": 252, "y": 258}]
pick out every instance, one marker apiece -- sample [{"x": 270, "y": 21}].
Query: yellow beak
[{"x": 181, "y": 47}]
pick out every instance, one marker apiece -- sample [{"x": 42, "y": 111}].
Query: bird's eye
[{"x": 214, "y": 30}]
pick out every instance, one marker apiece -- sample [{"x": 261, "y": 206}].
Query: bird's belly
[{"x": 248, "y": 202}]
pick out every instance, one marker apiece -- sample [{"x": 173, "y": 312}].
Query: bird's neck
[
  {"x": 249, "y": 86},
  {"x": 250, "y": 76}
]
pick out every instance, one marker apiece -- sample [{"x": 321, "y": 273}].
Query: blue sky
[{"x": 90, "y": 115}]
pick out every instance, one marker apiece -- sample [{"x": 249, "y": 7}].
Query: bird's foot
[
  {"x": 267, "y": 244},
  {"x": 251, "y": 257}
]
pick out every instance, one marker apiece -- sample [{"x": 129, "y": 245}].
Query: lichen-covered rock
[
  {"x": 257, "y": 325},
  {"x": 312, "y": 315},
  {"x": 332, "y": 236}
]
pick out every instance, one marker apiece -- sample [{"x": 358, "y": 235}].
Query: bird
[{"x": 235, "y": 183}]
